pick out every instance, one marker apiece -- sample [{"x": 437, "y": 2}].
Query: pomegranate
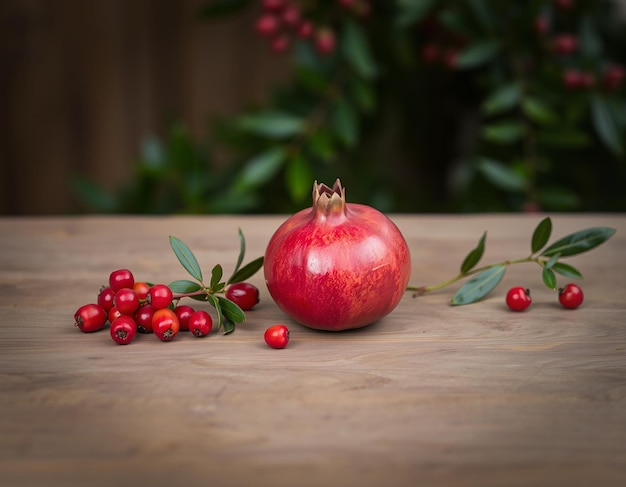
[{"x": 337, "y": 265}]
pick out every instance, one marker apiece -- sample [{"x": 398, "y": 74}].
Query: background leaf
[
  {"x": 501, "y": 175},
  {"x": 579, "y": 242},
  {"x": 273, "y": 124},
  {"x": 606, "y": 125},
  {"x": 479, "y": 286},
  {"x": 504, "y": 132},
  {"x": 541, "y": 235},
  {"x": 476, "y": 54},
  {"x": 502, "y": 99},
  {"x": 186, "y": 258},
  {"x": 357, "y": 52},
  {"x": 260, "y": 169}
]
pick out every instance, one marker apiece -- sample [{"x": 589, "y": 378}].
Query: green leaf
[
  {"x": 216, "y": 276},
  {"x": 549, "y": 279},
  {"x": 231, "y": 311},
  {"x": 501, "y": 176},
  {"x": 184, "y": 286},
  {"x": 260, "y": 169},
  {"x": 505, "y": 132},
  {"x": 411, "y": 12},
  {"x": 357, "y": 52},
  {"x": 345, "y": 122},
  {"x": 247, "y": 271},
  {"x": 476, "y": 54},
  {"x": 229, "y": 327},
  {"x": 553, "y": 260},
  {"x": 541, "y": 235},
  {"x": 555, "y": 198},
  {"x": 479, "y": 286},
  {"x": 298, "y": 177},
  {"x": 564, "y": 137},
  {"x": 363, "y": 94},
  {"x": 272, "y": 124},
  {"x": 537, "y": 111},
  {"x": 579, "y": 242},
  {"x": 242, "y": 253},
  {"x": 474, "y": 256},
  {"x": 502, "y": 99},
  {"x": 567, "y": 270},
  {"x": 186, "y": 258},
  {"x": 605, "y": 124},
  {"x": 214, "y": 301},
  {"x": 218, "y": 8}
]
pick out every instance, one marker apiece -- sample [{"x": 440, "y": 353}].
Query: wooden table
[{"x": 431, "y": 395}]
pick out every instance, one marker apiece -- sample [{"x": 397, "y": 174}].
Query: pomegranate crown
[{"x": 328, "y": 200}]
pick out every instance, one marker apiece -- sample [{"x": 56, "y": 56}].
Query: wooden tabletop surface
[{"x": 431, "y": 395}]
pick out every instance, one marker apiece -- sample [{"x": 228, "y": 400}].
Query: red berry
[
  {"x": 165, "y": 324},
  {"x": 183, "y": 312},
  {"x": 267, "y": 25},
  {"x": 141, "y": 288},
  {"x": 346, "y": 3},
  {"x": 90, "y": 317},
  {"x": 273, "y": 4},
  {"x": 114, "y": 314},
  {"x": 305, "y": 29},
  {"x": 541, "y": 25},
  {"x": 571, "y": 296},
  {"x": 518, "y": 298},
  {"x": 325, "y": 41},
  {"x": 613, "y": 76},
  {"x": 160, "y": 296},
  {"x": 105, "y": 298},
  {"x": 291, "y": 16},
  {"x": 564, "y": 4},
  {"x": 143, "y": 318},
  {"x": 277, "y": 336},
  {"x": 244, "y": 295},
  {"x": 565, "y": 44},
  {"x": 123, "y": 330},
  {"x": 120, "y": 279},
  {"x": 200, "y": 323},
  {"x": 572, "y": 79},
  {"x": 279, "y": 44},
  {"x": 126, "y": 301}
]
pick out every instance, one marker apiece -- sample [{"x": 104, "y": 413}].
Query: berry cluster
[
  {"x": 518, "y": 297},
  {"x": 135, "y": 306},
  {"x": 282, "y": 21}
]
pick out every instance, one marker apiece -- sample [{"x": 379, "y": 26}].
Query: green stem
[{"x": 419, "y": 290}]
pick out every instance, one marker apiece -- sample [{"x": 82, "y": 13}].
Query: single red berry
[
  {"x": 244, "y": 295},
  {"x": 120, "y": 279},
  {"x": 126, "y": 301},
  {"x": 518, "y": 298},
  {"x": 90, "y": 317},
  {"x": 565, "y": 44},
  {"x": 564, "y": 4},
  {"x": 541, "y": 25},
  {"x": 325, "y": 41},
  {"x": 160, "y": 296},
  {"x": 114, "y": 314},
  {"x": 613, "y": 76},
  {"x": 571, "y": 296},
  {"x": 165, "y": 324},
  {"x": 141, "y": 288},
  {"x": 267, "y": 25},
  {"x": 183, "y": 312},
  {"x": 291, "y": 16},
  {"x": 143, "y": 318},
  {"x": 200, "y": 323},
  {"x": 588, "y": 80},
  {"x": 279, "y": 44},
  {"x": 277, "y": 336},
  {"x": 572, "y": 79},
  {"x": 105, "y": 298},
  {"x": 346, "y": 3},
  {"x": 305, "y": 29},
  {"x": 123, "y": 330},
  {"x": 273, "y": 4}
]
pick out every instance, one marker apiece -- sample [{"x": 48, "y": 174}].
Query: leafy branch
[
  {"x": 485, "y": 279},
  {"x": 228, "y": 313}
]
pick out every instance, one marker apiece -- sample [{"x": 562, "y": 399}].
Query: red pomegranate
[{"x": 337, "y": 265}]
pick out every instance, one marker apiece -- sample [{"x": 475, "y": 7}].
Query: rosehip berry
[
  {"x": 141, "y": 288},
  {"x": 165, "y": 324},
  {"x": 277, "y": 336},
  {"x": 126, "y": 301},
  {"x": 183, "y": 312},
  {"x": 325, "y": 41},
  {"x": 541, "y": 25},
  {"x": 267, "y": 25},
  {"x": 114, "y": 314},
  {"x": 244, "y": 295},
  {"x": 518, "y": 298},
  {"x": 613, "y": 76},
  {"x": 120, "y": 279},
  {"x": 123, "y": 330},
  {"x": 143, "y": 318},
  {"x": 305, "y": 29},
  {"x": 160, "y": 296},
  {"x": 273, "y": 4},
  {"x": 572, "y": 79},
  {"x": 105, "y": 298},
  {"x": 90, "y": 317},
  {"x": 200, "y": 323},
  {"x": 565, "y": 44},
  {"x": 571, "y": 296},
  {"x": 279, "y": 44},
  {"x": 291, "y": 16}
]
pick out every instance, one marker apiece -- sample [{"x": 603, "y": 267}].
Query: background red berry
[
  {"x": 571, "y": 296},
  {"x": 518, "y": 298}
]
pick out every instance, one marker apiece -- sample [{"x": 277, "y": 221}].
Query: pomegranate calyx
[{"x": 329, "y": 201}]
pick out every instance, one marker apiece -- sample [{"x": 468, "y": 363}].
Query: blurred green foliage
[{"x": 423, "y": 105}]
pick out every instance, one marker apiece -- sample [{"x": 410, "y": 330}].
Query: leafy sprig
[
  {"x": 228, "y": 313},
  {"x": 485, "y": 279}
]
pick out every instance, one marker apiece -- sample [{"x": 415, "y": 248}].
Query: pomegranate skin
[{"x": 337, "y": 265}]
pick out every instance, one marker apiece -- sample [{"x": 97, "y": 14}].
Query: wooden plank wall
[{"x": 82, "y": 82}]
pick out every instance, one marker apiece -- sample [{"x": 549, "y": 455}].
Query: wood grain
[{"x": 430, "y": 395}]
